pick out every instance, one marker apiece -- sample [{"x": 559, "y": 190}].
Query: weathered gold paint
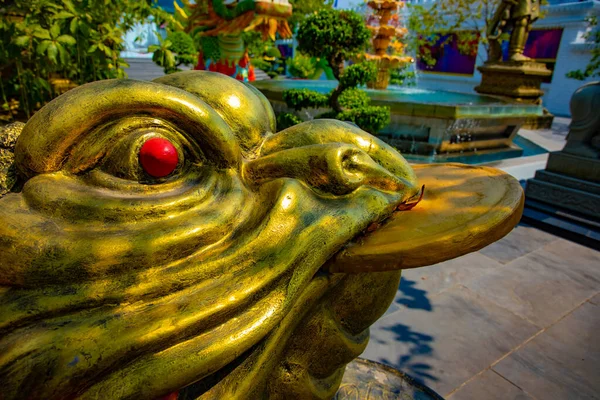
[
  {"x": 210, "y": 281},
  {"x": 464, "y": 209}
]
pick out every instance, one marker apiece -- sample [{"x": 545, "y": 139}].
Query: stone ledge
[
  {"x": 584, "y": 168},
  {"x": 581, "y": 202}
]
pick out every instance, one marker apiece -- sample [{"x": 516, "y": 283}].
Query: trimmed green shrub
[
  {"x": 285, "y": 120},
  {"x": 336, "y": 36},
  {"x": 301, "y": 66},
  {"x": 304, "y": 98},
  {"x": 370, "y": 118},
  {"x": 354, "y": 98}
]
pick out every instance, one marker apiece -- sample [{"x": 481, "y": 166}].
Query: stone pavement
[{"x": 519, "y": 319}]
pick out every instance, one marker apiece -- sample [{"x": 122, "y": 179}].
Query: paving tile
[
  {"x": 579, "y": 262},
  {"x": 489, "y": 386},
  {"x": 436, "y": 278},
  {"x": 562, "y": 363},
  {"x": 541, "y": 286},
  {"x": 419, "y": 284},
  {"x": 521, "y": 241},
  {"x": 460, "y": 334}
]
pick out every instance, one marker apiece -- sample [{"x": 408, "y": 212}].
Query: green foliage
[
  {"x": 254, "y": 43},
  {"x": 403, "y": 77},
  {"x": 304, "y": 98},
  {"x": 210, "y": 47},
  {"x": 163, "y": 56},
  {"x": 77, "y": 40},
  {"x": 335, "y": 35},
  {"x": 176, "y": 50},
  {"x": 371, "y": 118},
  {"x": 593, "y": 67},
  {"x": 358, "y": 74},
  {"x": 285, "y": 120},
  {"x": 263, "y": 54},
  {"x": 302, "y": 8},
  {"x": 301, "y": 66},
  {"x": 242, "y": 6},
  {"x": 353, "y": 103},
  {"x": 182, "y": 43},
  {"x": 354, "y": 98}
]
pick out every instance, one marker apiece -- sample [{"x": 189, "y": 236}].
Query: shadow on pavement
[{"x": 418, "y": 343}]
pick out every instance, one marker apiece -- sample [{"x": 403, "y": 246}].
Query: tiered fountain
[{"x": 384, "y": 23}]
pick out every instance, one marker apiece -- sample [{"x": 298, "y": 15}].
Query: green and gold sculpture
[{"x": 249, "y": 267}]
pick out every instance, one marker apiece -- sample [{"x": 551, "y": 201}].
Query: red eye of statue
[{"x": 158, "y": 157}]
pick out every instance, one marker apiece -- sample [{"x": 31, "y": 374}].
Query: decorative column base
[
  {"x": 518, "y": 81},
  {"x": 566, "y": 198}
]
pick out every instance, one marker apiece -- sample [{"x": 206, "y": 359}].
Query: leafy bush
[
  {"x": 301, "y": 66},
  {"x": 43, "y": 41},
  {"x": 302, "y": 8},
  {"x": 263, "y": 54},
  {"x": 353, "y": 103},
  {"x": 354, "y": 98},
  {"x": 176, "y": 50},
  {"x": 370, "y": 118},
  {"x": 304, "y": 98},
  {"x": 184, "y": 48},
  {"x": 335, "y": 36},
  {"x": 285, "y": 120},
  {"x": 403, "y": 77},
  {"x": 210, "y": 47},
  {"x": 358, "y": 74}
]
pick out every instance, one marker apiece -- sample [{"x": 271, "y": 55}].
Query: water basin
[{"x": 433, "y": 125}]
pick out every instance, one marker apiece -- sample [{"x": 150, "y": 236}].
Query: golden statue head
[{"x": 162, "y": 238}]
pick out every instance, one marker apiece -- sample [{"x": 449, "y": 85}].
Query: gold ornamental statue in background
[
  {"x": 516, "y": 17},
  {"x": 518, "y": 78},
  {"x": 161, "y": 240}
]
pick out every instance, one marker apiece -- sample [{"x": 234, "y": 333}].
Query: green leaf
[
  {"x": 55, "y": 31},
  {"x": 43, "y": 83},
  {"x": 70, "y": 6},
  {"x": 22, "y": 41},
  {"x": 152, "y": 48},
  {"x": 52, "y": 52},
  {"x": 66, "y": 39},
  {"x": 92, "y": 48},
  {"x": 108, "y": 51},
  {"x": 85, "y": 29},
  {"x": 64, "y": 55},
  {"x": 43, "y": 47},
  {"x": 73, "y": 25},
  {"x": 170, "y": 58},
  {"x": 41, "y": 33},
  {"x": 63, "y": 15}
]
